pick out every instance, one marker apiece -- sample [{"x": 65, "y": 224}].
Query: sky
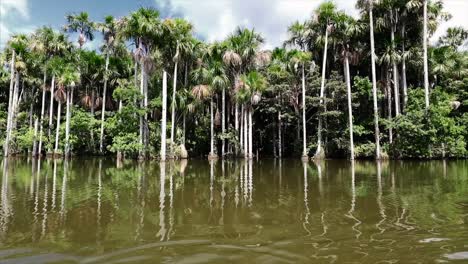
[{"x": 213, "y": 19}]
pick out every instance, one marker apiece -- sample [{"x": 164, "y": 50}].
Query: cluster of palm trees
[{"x": 226, "y": 79}]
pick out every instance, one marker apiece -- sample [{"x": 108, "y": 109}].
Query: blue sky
[{"x": 213, "y": 19}]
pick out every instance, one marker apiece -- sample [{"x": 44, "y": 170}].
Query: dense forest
[{"x": 340, "y": 87}]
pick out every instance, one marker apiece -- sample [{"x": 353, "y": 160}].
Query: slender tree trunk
[
  {"x": 223, "y": 122},
  {"x": 212, "y": 151},
  {"x": 304, "y": 125},
  {"x": 184, "y": 123},
  {"x": 280, "y": 140},
  {"x": 395, "y": 75},
  {"x": 426, "y": 66},
  {"x": 10, "y": 104},
  {"x": 241, "y": 134},
  {"x": 389, "y": 106},
  {"x": 41, "y": 129},
  {"x": 164, "y": 114},
  {"x": 403, "y": 69},
  {"x": 246, "y": 133},
  {"x": 51, "y": 109},
  {"x": 250, "y": 134},
  {"x": 119, "y": 153},
  {"x": 173, "y": 110},
  {"x": 350, "y": 109},
  {"x": 36, "y": 124},
  {"x": 14, "y": 108},
  {"x": 67, "y": 123},
  {"x": 141, "y": 135},
  {"x": 374, "y": 87},
  {"x": 57, "y": 132},
  {"x": 236, "y": 121},
  {"x": 103, "y": 111},
  {"x": 319, "y": 152}
]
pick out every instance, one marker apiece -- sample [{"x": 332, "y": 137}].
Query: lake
[{"x": 266, "y": 211}]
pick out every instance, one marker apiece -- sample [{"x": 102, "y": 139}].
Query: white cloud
[
  {"x": 13, "y": 15},
  {"x": 216, "y": 19}
]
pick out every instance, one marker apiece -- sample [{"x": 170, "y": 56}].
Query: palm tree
[
  {"x": 325, "y": 14},
  {"x": 81, "y": 24},
  {"x": 109, "y": 31},
  {"x": 143, "y": 27},
  {"x": 18, "y": 47},
  {"x": 253, "y": 84},
  {"x": 349, "y": 28},
  {"x": 179, "y": 31},
  {"x": 69, "y": 79},
  {"x": 367, "y": 5}
]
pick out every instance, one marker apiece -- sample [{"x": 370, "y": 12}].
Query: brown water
[{"x": 270, "y": 211}]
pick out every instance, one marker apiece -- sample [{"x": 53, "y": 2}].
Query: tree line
[{"x": 340, "y": 86}]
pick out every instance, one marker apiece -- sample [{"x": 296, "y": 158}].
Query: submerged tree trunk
[
  {"x": 41, "y": 129},
  {"x": 426, "y": 66},
  {"x": 163, "y": 119},
  {"x": 319, "y": 152},
  {"x": 304, "y": 125},
  {"x": 10, "y": 105},
  {"x": 374, "y": 87},
  {"x": 173, "y": 104},
  {"x": 103, "y": 110},
  {"x": 57, "y": 132},
  {"x": 350, "y": 109}
]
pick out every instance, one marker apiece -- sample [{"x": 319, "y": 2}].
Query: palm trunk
[
  {"x": 250, "y": 134},
  {"x": 241, "y": 131},
  {"x": 57, "y": 132},
  {"x": 14, "y": 109},
  {"x": 374, "y": 87},
  {"x": 350, "y": 108},
  {"x": 212, "y": 153},
  {"x": 426, "y": 66},
  {"x": 173, "y": 110},
  {"x": 236, "y": 120},
  {"x": 39, "y": 150},
  {"x": 10, "y": 104},
  {"x": 142, "y": 92},
  {"x": 395, "y": 76},
  {"x": 304, "y": 125},
  {"x": 103, "y": 111},
  {"x": 389, "y": 107},
  {"x": 36, "y": 125},
  {"x": 223, "y": 122},
  {"x": 319, "y": 152},
  {"x": 93, "y": 100},
  {"x": 403, "y": 69},
  {"x": 67, "y": 123},
  {"x": 119, "y": 153},
  {"x": 51, "y": 109},
  {"x": 163, "y": 121},
  {"x": 280, "y": 143},
  {"x": 246, "y": 131}
]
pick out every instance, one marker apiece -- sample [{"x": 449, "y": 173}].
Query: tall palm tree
[
  {"x": 81, "y": 24},
  {"x": 367, "y": 5},
  {"x": 109, "y": 30},
  {"x": 325, "y": 14},
  {"x": 143, "y": 27},
  {"x": 69, "y": 79},
  {"x": 180, "y": 33},
  {"x": 18, "y": 46},
  {"x": 348, "y": 29}
]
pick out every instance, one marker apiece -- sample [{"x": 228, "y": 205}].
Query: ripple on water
[
  {"x": 433, "y": 239},
  {"x": 457, "y": 255}
]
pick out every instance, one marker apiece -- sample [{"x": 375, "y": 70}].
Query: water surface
[{"x": 267, "y": 211}]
